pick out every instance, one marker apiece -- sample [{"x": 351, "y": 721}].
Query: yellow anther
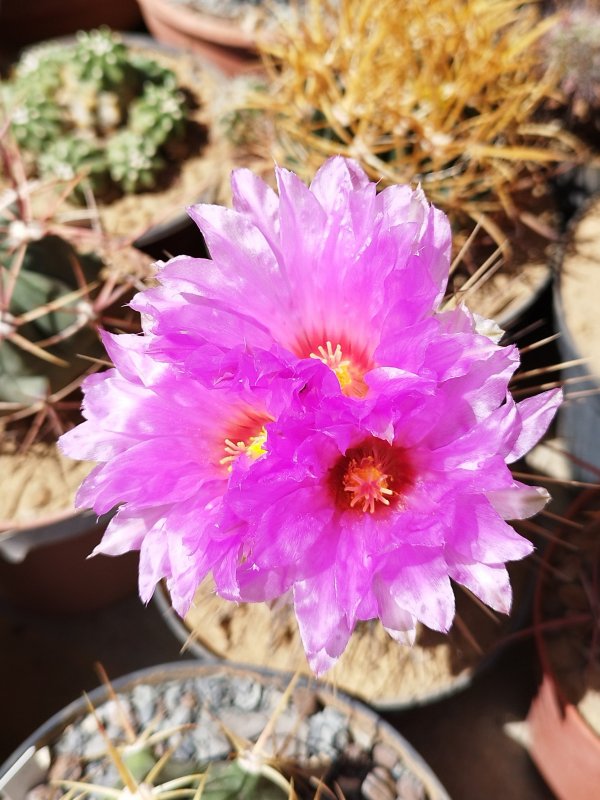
[{"x": 253, "y": 448}]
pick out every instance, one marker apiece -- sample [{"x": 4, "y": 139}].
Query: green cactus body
[
  {"x": 73, "y": 156},
  {"x": 99, "y": 110},
  {"x": 232, "y": 781},
  {"x": 134, "y": 162}
]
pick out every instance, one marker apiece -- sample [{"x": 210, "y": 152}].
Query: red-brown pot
[
  {"x": 221, "y": 41},
  {"x": 563, "y": 745}
]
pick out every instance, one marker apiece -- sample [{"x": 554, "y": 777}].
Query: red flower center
[{"x": 371, "y": 478}]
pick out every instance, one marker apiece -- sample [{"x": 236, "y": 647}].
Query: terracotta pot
[
  {"x": 564, "y": 747},
  {"x": 29, "y": 765},
  {"x": 23, "y": 23},
  {"x": 221, "y": 41}
]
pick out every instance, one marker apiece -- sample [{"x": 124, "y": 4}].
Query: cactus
[
  {"x": 429, "y": 91},
  {"x": 159, "y": 114},
  {"x": 57, "y": 286},
  {"x": 67, "y": 104},
  {"x": 134, "y": 162},
  {"x": 147, "y": 771},
  {"x": 72, "y": 157}
]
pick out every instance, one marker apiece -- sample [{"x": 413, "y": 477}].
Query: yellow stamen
[
  {"x": 333, "y": 359},
  {"x": 253, "y": 448},
  {"x": 367, "y": 484}
]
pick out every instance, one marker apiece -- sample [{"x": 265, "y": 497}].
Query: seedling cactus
[
  {"x": 67, "y": 104},
  {"x": 437, "y": 92}
]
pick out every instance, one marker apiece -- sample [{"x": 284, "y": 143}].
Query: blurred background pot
[
  {"x": 45, "y": 567},
  {"x": 222, "y": 41},
  {"x": 576, "y": 303},
  {"x": 564, "y": 718},
  {"x": 23, "y": 23}
]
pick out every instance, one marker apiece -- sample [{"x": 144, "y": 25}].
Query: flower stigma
[
  {"x": 367, "y": 484},
  {"x": 348, "y": 375}
]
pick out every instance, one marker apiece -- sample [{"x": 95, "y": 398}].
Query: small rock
[
  {"x": 385, "y": 755},
  {"x": 42, "y": 792},
  {"x": 65, "y": 767},
  {"x": 107, "y": 775},
  {"x": 143, "y": 699},
  {"x": 182, "y": 715},
  {"x": 71, "y": 741},
  {"x": 364, "y": 734},
  {"x": 306, "y": 701},
  {"x": 378, "y": 785},
  {"x": 328, "y": 732},
  {"x": 186, "y": 751},
  {"x": 89, "y": 725},
  {"x": 247, "y": 694},
  {"x": 94, "y": 747},
  {"x": 213, "y": 692},
  {"x": 172, "y": 696},
  {"x": 248, "y": 725},
  {"x": 409, "y": 787},
  {"x": 211, "y": 743}
]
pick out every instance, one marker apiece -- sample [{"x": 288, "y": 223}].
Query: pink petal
[
  {"x": 417, "y": 582},
  {"x": 489, "y": 583},
  {"x": 322, "y": 623},
  {"x": 519, "y": 501}
]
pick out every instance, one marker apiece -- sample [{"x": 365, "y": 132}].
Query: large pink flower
[
  {"x": 369, "y": 510},
  {"x": 301, "y": 416}
]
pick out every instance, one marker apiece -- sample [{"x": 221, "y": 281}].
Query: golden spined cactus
[{"x": 441, "y": 92}]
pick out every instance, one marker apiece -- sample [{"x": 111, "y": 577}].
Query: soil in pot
[
  {"x": 199, "y": 715},
  {"x": 373, "y": 667}
]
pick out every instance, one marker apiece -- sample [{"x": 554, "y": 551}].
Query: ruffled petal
[{"x": 417, "y": 582}]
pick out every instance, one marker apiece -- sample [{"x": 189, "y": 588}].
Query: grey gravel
[
  {"x": 143, "y": 699},
  {"x": 328, "y": 732},
  {"x": 307, "y": 732}
]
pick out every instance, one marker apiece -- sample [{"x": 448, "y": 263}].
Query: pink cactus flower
[{"x": 302, "y": 417}]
